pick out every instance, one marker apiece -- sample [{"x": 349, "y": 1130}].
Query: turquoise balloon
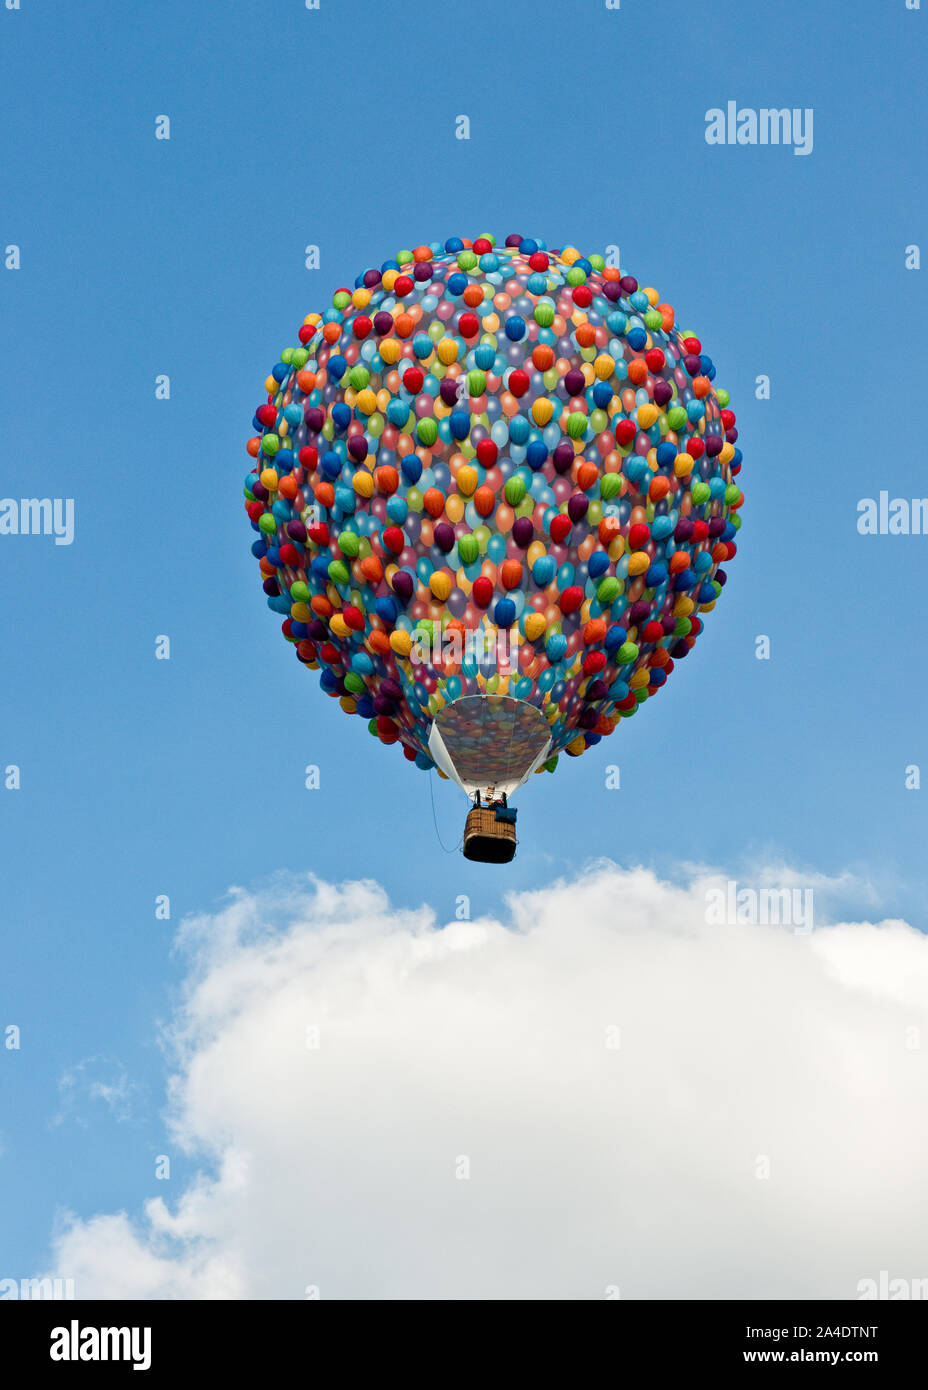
[
  {"x": 496, "y": 549},
  {"x": 544, "y": 570}
]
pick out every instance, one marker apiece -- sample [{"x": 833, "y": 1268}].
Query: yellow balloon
[
  {"x": 367, "y": 401},
  {"x": 440, "y": 585},
  {"x": 542, "y": 411},
  {"x": 683, "y": 465},
  {"x": 467, "y": 480},
  {"x": 339, "y": 626},
  {"x": 390, "y": 350},
  {"x": 647, "y": 414},
  {"x": 447, "y": 351},
  {"x": 361, "y": 297},
  {"x": 401, "y": 642},
  {"x": 454, "y": 508},
  {"x": 639, "y": 679},
  {"x": 683, "y": 607},
  {"x": 269, "y": 479},
  {"x": 347, "y": 704},
  {"x": 363, "y": 484},
  {"x": 639, "y": 562},
  {"x": 604, "y": 366},
  {"x": 534, "y": 626},
  {"x": 301, "y": 612}
]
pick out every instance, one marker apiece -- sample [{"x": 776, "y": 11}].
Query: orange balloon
[
  {"x": 484, "y": 500},
  {"x": 587, "y": 474}
]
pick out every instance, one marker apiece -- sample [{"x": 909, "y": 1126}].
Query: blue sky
[{"x": 140, "y": 257}]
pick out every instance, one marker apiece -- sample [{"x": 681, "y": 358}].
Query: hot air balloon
[{"x": 493, "y": 490}]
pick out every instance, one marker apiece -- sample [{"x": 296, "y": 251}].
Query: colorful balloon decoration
[{"x": 493, "y": 489}]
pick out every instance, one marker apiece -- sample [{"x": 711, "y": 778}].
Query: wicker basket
[{"x": 487, "y": 839}]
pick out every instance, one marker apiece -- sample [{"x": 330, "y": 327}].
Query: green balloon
[
  {"x": 476, "y": 382},
  {"x": 544, "y": 314},
  {"x": 267, "y": 523},
  {"x": 627, "y": 653},
  {"x": 607, "y": 592},
  {"x": 514, "y": 490},
  {"x": 700, "y": 493},
  {"x": 348, "y": 544},
  {"x": 270, "y": 444},
  {"x": 577, "y": 424},
  {"x": 354, "y": 684},
  {"x": 339, "y": 572},
  {"x": 427, "y": 431},
  {"x": 359, "y": 376},
  {"x": 676, "y": 417},
  {"x": 610, "y": 485},
  {"x": 300, "y": 592},
  {"x": 469, "y": 548}
]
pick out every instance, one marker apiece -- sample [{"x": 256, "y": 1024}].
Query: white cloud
[
  {"x": 590, "y": 1165},
  {"x": 102, "y": 1079}
]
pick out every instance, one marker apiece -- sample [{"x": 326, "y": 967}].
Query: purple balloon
[
  {"x": 523, "y": 531},
  {"x": 403, "y": 585}
]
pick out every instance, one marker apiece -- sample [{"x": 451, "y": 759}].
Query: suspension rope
[{"x": 431, "y": 782}]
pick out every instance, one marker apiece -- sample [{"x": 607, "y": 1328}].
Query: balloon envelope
[{"x": 493, "y": 491}]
